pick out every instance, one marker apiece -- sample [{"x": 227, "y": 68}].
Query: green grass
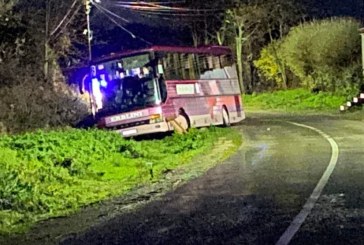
[
  {"x": 294, "y": 100},
  {"x": 47, "y": 174}
]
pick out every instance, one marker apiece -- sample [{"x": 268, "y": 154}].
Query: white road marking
[{"x": 310, "y": 203}]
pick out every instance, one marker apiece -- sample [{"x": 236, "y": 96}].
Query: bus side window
[
  {"x": 206, "y": 66},
  {"x": 212, "y": 67},
  {"x": 177, "y": 67},
  {"x": 226, "y": 60},
  {"x": 202, "y": 64},
  {"x": 162, "y": 87},
  {"x": 216, "y": 62},
  {"x": 169, "y": 68},
  {"x": 190, "y": 67},
  {"x": 186, "y": 66},
  {"x": 196, "y": 66}
]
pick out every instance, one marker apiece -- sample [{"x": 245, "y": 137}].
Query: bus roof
[{"x": 212, "y": 50}]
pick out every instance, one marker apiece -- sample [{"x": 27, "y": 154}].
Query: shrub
[
  {"x": 268, "y": 67},
  {"x": 324, "y": 54},
  {"x": 32, "y": 104}
]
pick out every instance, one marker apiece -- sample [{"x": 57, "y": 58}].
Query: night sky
[{"x": 160, "y": 32}]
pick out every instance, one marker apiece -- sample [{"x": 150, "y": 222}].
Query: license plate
[{"x": 129, "y": 132}]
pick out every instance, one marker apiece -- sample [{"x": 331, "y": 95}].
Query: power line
[
  {"x": 122, "y": 27},
  {"x": 161, "y": 13},
  {"x": 141, "y": 5},
  {"x": 110, "y": 12},
  {"x": 64, "y": 18},
  {"x": 156, "y": 2},
  {"x": 68, "y": 22}
]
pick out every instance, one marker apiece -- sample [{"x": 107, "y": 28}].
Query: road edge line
[{"x": 295, "y": 225}]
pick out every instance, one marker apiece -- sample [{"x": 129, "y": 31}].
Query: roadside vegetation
[
  {"x": 293, "y": 100},
  {"x": 320, "y": 60},
  {"x": 46, "y": 174},
  {"x": 318, "y": 56}
]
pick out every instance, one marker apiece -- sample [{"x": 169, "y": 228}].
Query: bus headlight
[{"x": 155, "y": 118}]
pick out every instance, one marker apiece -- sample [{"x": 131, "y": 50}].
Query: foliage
[
  {"x": 47, "y": 173},
  {"x": 27, "y": 100},
  {"x": 323, "y": 53},
  {"x": 237, "y": 31},
  {"x": 57, "y": 24},
  {"x": 294, "y": 100},
  {"x": 31, "y": 103},
  {"x": 249, "y": 26},
  {"x": 268, "y": 67}
]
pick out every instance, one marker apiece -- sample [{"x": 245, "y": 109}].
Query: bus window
[
  {"x": 162, "y": 88},
  {"x": 192, "y": 68},
  {"x": 179, "y": 66},
  {"x": 216, "y": 62},
  {"x": 226, "y": 60},
  {"x": 213, "y": 67},
  {"x": 185, "y": 66}
]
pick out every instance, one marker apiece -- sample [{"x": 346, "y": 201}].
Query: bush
[
  {"x": 324, "y": 54},
  {"x": 268, "y": 67},
  {"x": 27, "y": 101},
  {"x": 32, "y": 104}
]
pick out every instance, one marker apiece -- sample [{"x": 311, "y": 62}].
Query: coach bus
[{"x": 164, "y": 88}]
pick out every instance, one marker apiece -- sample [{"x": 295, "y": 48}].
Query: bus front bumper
[{"x": 145, "y": 129}]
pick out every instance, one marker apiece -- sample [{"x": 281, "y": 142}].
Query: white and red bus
[{"x": 160, "y": 88}]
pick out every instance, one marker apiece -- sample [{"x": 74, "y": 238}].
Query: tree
[
  {"x": 6, "y": 6},
  {"x": 27, "y": 101},
  {"x": 320, "y": 52},
  {"x": 324, "y": 55},
  {"x": 59, "y": 26},
  {"x": 240, "y": 27},
  {"x": 250, "y": 26},
  {"x": 269, "y": 69},
  {"x": 14, "y": 41},
  {"x": 282, "y": 16}
]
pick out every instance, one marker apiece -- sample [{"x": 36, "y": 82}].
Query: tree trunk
[
  {"x": 239, "y": 58},
  {"x": 220, "y": 38},
  {"x": 206, "y": 36},
  {"x": 280, "y": 63},
  {"x": 46, "y": 47},
  {"x": 194, "y": 36}
]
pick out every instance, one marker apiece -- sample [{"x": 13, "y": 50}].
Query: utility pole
[
  {"x": 362, "y": 47},
  {"x": 89, "y": 35},
  {"x": 89, "y": 38},
  {"x": 46, "y": 40}
]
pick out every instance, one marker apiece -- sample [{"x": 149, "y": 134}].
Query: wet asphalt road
[{"x": 253, "y": 197}]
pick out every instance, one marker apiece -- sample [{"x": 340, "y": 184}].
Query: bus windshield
[
  {"x": 129, "y": 93},
  {"x": 125, "y": 85}
]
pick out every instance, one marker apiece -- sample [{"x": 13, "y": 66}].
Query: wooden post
[{"x": 362, "y": 47}]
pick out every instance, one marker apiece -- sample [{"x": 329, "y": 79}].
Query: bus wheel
[{"x": 225, "y": 118}]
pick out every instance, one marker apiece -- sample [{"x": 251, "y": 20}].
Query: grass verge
[
  {"x": 296, "y": 100},
  {"x": 48, "y": 174}
]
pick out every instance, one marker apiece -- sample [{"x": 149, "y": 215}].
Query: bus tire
[{"x": 225, "y": 117}]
